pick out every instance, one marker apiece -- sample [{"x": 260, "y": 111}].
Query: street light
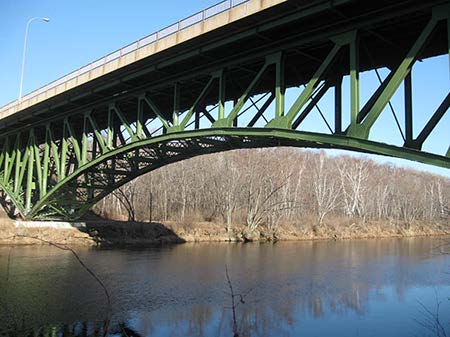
[{"x": 25, "y": 50}]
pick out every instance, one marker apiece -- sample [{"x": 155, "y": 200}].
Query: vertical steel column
[
  {"x": 140, "y": 118},
  {"x": 354, "y": 77},
  {"x": 45, "y": 164},
  {"x": 30, "y": 184},
  {"x": 197, "y": 120},
  {"x": 38, "y": 164},
  {"x": 286, "y": 121},
  {"x": 7, "y": 160},
  {"x": 84, "y": 141},
  {"x": 279, "y": 86},
  {"x": 54, "y": 149},
  {"x": 176, "y": 104},
  {"x": 63, "y": 159},
  {"x": 408, "y": 110},
  {"x": 393, "y": 81},
  {"x": 235, "y": 119},
  {"x": 221, "y": 113},
  {"x": 109, "y": 130},
  {"x": 75, "y": 142},
  {"x": 338, "y": 106},
  {"x": 94, "y": 148},
  {"x": 93, "y": 155},
  {"x": 231, "y": 119},
  {"x": 17, "y": 165}
]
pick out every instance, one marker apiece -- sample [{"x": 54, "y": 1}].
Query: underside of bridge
[{"x": 227, "y": 90}]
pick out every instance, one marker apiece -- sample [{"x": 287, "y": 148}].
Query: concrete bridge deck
[
  {"x": 200, "y": 87},
  {"x": 208, "y": 38},
  {"x": 217, "y": 16}
]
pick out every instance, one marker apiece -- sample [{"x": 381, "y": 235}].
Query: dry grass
[
  {"x": 195, "y": 229},
  {"x": 334, "y": 227},
  {"x": 10, "y": 234}
]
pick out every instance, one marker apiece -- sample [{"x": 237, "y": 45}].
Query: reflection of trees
[
  {"x": 257, "y": 317},
  {"x": 78, "y": 329},
  {"x": 162, "y": 294},
  {"x": 193, "y": 321},
  {"x": 201, "y": 316},
  {"x": 262, "y": 322}
]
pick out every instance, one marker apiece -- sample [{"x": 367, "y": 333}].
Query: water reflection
[{"x": 365, "y": 288}]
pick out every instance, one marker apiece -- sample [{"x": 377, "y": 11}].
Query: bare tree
[
  {"x": 275, "y": 186},
  {"x": 229, "y": 185},
  {"x": 325, "y": 188},
  {"x": 125, "y": 195},
  {"x": 353, "y": 175}
]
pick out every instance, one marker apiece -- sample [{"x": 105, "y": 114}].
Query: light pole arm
[{"x": 25, "y": 51}]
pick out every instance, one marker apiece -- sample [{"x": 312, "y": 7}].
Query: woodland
[{"x": 270, "y": 189}]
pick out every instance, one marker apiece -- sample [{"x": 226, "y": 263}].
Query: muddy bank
[
  {"x": 16, "y": 233},
  {"x": 101, "y": 232},
  {"x": 11, "y": 234},
  {"x": 119, "y": 233}
]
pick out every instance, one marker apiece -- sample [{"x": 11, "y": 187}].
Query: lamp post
[{"x": 25, "y": 50}]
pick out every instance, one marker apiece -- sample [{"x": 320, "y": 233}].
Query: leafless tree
[
  {"x": 325, "y": 188},
  {"x": 281, "y": 185},
  {"x": 353, "y": 177}
]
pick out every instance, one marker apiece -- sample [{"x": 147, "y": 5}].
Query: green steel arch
[
  {"x": 60, "y": 165},
  {"x": 162, "y": 150}
]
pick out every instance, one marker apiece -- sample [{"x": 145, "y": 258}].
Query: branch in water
[{"x": 97, "y": 279}]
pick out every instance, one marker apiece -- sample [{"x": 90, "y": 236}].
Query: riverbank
[
  {"x": 101, "y": 232},
  {"x": 120, "y": 233},
  {"x": 12, "y": 233}
]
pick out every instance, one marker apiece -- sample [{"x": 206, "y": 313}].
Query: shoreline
[{"x": 110, "y": 233}]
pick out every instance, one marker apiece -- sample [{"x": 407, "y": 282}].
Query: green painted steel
[
  {"x": 59, "y": 167},
  {"x": 241, "y": 138}
]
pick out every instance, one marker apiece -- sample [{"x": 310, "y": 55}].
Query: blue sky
[{"x": 82, "y": 31}]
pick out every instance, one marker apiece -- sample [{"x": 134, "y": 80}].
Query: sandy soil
[{"x": 103, "y": 232}]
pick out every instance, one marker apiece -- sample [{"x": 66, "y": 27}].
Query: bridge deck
[
  {"x": 220, "y": 85},
  {"x": 219, "y": 15},
  {"x": 238, "y": 38}
]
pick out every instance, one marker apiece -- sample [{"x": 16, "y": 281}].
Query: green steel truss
[{"x": 59, "y": 168}]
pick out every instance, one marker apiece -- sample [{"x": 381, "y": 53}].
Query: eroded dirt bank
[{"x": 100, "y": 232}]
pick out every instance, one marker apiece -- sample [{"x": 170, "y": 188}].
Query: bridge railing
[{"x": 196, "y": 18}]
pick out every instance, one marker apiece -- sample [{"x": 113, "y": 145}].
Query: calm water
[{"x": 359, "y": 288}]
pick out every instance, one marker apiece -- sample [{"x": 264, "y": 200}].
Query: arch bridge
[{"x": 242, "y": 74}]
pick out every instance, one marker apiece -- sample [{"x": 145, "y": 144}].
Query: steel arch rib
[
  {"x": 245, "y": 138},
  {"x": 16, "y": 202}
]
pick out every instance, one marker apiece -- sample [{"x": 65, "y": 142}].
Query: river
[{"x": 388, "y": 287}]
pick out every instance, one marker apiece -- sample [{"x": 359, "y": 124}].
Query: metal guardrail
[{"x": 207, "y": 13}]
